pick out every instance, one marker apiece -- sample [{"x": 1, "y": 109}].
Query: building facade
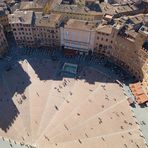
[
  {"x": 124, "y": 46},
  {"x": 121, "y": 42},
  {"x": 4, "y": 19},
  {"x": 104, "y": 40},
  {"x": 35, "y": 30},
  {"x": 3, "y": 42},
  {"x": 127, "y": 50},
  {"x": 46, "y": 30},
  {"x": 78, "y": 35},
  {"x": 21, "y": 26}
]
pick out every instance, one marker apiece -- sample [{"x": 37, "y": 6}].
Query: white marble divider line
[
  {"x": 62, "y": 121},
  {"x": 85, "y": 122}
]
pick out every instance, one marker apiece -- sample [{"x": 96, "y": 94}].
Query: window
[{"x": 100, "y": 46}]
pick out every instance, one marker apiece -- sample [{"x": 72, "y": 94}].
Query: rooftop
[
  {"x": 3, "y": 11},
  {"x": 124, "y": 8},
  {"x": 136, "y": 19},
  {"x": 94, "y": 6},
  {"x": 131, "y": 34},
  {"x": 104, "y": 29},
  {"x": 24, "y": 17},
  {"x": 82, "y": 25},
  {"x": 29, "y": 5},
  {"x": 144, "y": 30},
  {"x": 117, "y": 8},
  {"x": 51, "y": 20},
  {"x": 138, "y": 93},
  {"x": 74, "y": 9},
  {"x": 107, "y": 8},
  {"x": 1, "y": 27}
]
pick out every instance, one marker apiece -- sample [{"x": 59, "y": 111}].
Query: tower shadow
[{"x": 12, "y": 81}]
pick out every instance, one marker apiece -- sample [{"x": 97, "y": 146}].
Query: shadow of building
[{"x": 12, "y": 82}]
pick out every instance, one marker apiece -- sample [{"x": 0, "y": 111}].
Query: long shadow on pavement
[{"x": 12, "y": 82}]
